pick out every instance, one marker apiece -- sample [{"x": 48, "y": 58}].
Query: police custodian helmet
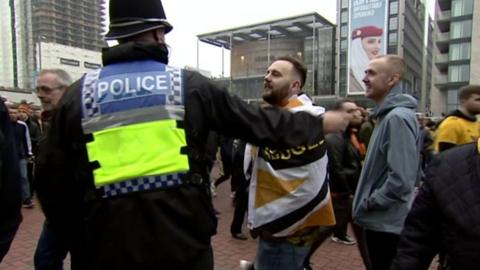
[{"x": 128, "y": 18}]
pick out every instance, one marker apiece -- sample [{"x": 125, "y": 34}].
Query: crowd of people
[{"x": 123, "y": 176}]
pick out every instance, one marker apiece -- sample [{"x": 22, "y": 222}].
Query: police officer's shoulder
[
  {"x": 197, "y": 80},
  {"x": 74, "y": 90}
]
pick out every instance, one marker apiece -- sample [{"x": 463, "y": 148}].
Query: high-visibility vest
[{"x": 134, "y": 112}]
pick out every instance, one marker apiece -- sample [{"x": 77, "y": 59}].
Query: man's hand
[{"x": 334, "y": 122}]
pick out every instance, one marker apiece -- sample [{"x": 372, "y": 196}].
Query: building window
[
  {"x": 393, "y": 23},
  {"x": 344, "y": 17},
  {"x": 462, "y": 7},
  {"x": 343, "y": 45},
  {"x": 393, "y": 8},
  {"x": 461, "y": 29},
  {"x": 343, "y": 31},
  {"x": 460, "y": 51},
  {"x": 345, "y": 3},
  {"x": 458, "y": 73},
  {"x": 452, "y": 100},
  {"x": 343, "y": 59},
  {"x": 392, "y": 39}
]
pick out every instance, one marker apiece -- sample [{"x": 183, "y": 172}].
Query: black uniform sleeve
[{"x": 210, "y": 105}]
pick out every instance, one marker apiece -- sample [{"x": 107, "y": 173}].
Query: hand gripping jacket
[{"x": 134, "y": 112}]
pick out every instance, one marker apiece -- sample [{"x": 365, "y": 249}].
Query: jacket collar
[
  {"x": 135, "y": 51},
  {"x": 460, "y": 114}
]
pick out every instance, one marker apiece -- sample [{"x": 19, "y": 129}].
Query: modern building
[
  {"x": 402, "y": 25},
  {"x": 38, "y": 29},
  {"x": 457, "y": 51},
  {"x": 6, "y": 46},
  {"x": 73, "y": 23},
  {"x": 76, "y": 61},
  {"x": 308, "y": 37}
]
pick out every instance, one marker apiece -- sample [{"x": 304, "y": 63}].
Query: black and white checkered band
[
  {"x": 90, "y": 108},
  {"x": 176, "y": 96},
  {"x": 142, "y": 184}
]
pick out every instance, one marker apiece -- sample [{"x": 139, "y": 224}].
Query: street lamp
[
  {"x": 242, "y": 59},
  {"x": 299, "y": 55}
]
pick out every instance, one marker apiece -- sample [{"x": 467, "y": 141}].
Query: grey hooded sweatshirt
[{"x": 385, "y": 190}]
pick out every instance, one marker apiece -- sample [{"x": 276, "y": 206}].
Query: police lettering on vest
[{"x": 116, "y": 87}]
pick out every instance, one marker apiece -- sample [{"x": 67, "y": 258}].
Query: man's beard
[{"x": 274, "y": 97}]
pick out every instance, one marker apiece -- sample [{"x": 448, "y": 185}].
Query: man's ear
[
  {"x": 393, "y": 79},
  {"x": 296, "y": 86}
]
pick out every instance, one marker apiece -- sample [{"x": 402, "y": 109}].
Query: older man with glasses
[
  {"x": 51, "y": 84},
  {"x": 57, "y": 238}
]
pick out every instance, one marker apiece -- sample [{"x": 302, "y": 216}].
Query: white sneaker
[
  {"x": 348, "y": 240},
  {"x": 246, "y": 265}
]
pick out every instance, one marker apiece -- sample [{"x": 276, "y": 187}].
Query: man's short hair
[
  {"x": 63, "y": 78},
  {"x": 395, "y": 62},
  {"x": 467, "y": 91},
  {"x": 298, "y": 66},
  {"x": 339, "y": 103}
]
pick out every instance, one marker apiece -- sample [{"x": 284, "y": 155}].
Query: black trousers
[
  {"x": 227, "y": 173},
  {"x": 241, "y": 205},
  {"x": 359, "y": 233},
  {"x": 342, "y": 206},
  {"x": 382, "y": 247}
]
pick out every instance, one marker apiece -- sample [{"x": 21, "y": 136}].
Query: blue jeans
[
  {"x": 52, "y": 248},
  {"x": 24, "y": 180},
  {"x": 280, "y": 255}
]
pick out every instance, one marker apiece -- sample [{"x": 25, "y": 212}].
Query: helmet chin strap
[{"x": 155, "y": 36}]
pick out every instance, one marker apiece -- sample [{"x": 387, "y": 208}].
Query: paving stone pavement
[{"x": 227, "y": 251}]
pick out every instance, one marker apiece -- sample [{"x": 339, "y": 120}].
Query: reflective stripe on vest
[{"x": 133, "y": 119}]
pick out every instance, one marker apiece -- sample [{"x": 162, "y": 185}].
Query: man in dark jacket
[
  {"x": 24, "y": 151},
  {"x": 10, "y": 189},
  {"x": 25, "y": 115},
  {"x": 113, "y": 122},
  {"x": 445, "y": 217},
  {"x": 345, "y": 155},
  {"x": 57, "y": 238}
]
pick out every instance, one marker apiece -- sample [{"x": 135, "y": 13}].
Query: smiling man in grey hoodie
[{"x": 385, "y": 190}]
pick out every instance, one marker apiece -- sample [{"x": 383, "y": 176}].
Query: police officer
[{"x": 128, "y": 141}]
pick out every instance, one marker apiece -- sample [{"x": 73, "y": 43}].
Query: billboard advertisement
[{"x": 367, "y": 39}]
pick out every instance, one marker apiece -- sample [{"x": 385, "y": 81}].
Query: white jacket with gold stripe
[{"x": 288, "y": 187}]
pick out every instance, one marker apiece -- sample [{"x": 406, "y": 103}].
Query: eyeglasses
[{"x": 45, "y": 89}]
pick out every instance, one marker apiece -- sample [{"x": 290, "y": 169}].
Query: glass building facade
[
  {"x": 309, "y": 38},
  {"x": 455, "y": 22}
]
